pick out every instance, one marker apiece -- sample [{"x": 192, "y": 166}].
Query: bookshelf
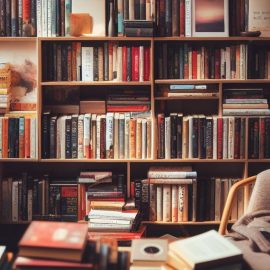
[{"x": 137, "y": 168}]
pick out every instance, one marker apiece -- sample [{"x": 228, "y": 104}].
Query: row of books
[
  {"x": 201, "y": 137},
  {"x": 245, "y": 101},
  {"x": 110, "y": 136},
  {"x": 258, "y": 137},
  {"x": 27, "y": 198},
  {"x": 18, "y": 137},
  {"x": 77, "y": 62},
  {"x": 189, "y": 62}
]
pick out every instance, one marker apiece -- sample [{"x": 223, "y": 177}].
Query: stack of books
[
  {"x": 245, "y": 101},
  {"x": 172, "y": 191},
  {"x": 66, "y": 246},
  {"x": 113, "y": 221}
]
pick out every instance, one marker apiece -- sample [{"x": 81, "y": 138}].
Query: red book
[
  {"x": 128, "y": 108},
  {"x": 132, "y": 190},
  {"x": 124, "y": 63},
  {"x": 220, "y": 138},
  {"x": 217, "y": 64},
  {"x": 27, "y": 137},
  {"x": 30, "y": 263},
  {"x": 146, "y": 74},
  {"x": 5, "y": 138},
  {"x": 135, "y": 63},
  {"x": 182, "y": 18},
  {"x": 54, "y": 240},
  {"x": 81, "y": 201},
  {"x": 194, "y": 64},
  {"x": 26, "y": 11}
]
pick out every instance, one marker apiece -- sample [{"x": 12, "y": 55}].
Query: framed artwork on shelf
[{"x": 210, "y": 18}]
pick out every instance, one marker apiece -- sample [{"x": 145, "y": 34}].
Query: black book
[
  {"x": 212, "y": 198},
  {"x": 33, "y": 18},
  {"x": 139, "y": 32},
  {"x": 2, "y": 18},
  {"x": 68, "y": 137},
  {"x": 173, "y": 118},
  {"x": 123, "y": 260},
  {"x": 202, "y": 137},
  {"x": 138, "y": 24},
  {"x": 161, "y": 21},
  {"x": 145, "y": 200},
  {"x": 137, "y": 9},
  {"x": 58, "y": 17},
  {"x": 179, "y": 135},
  {"x": 267, "y": 138},
  {"x": 35, "y": 197},
  {"x": 50, "y": 61},
  {"x": 176, "y": 17},
  {"x": 16, "y": 137},
  {"x": 250, "y": 137},
  {"x": 53, "y": 137},
  {"x": 237, "y": 142},
  {"x": 256, "y": 138},
  {"x": 95, "y": 68},
  {"x": 209, "y": 138},
  {"x": 176, "y": 64},
  {"x": 160, "y": 62},
  {"x": 8, "y": 17},
  {"x": 64, "y": 62},
  {"x": 121, "y": 183},
  {"x": 195, "y": 137},
  {"x": 104, "y": 255},
  {"x": 74, "y": 136},
  {"x": 165, "y": 60},
  {"x": 129, "y": 63},
  {"x": 24, "y": 202},
  {"x": 55, "y": 199},
  {"x": 45, "y": 135},
  {"x": 137, "y": 195},
  {"x": 11, "y": 137},
  {"x": 54, "y": 66},
  {"x": 170, "y": 66},
  {"x": 106, "y": 62},
  {"x": 168, "y": 18},
  {"x": 142, "y": 9}
]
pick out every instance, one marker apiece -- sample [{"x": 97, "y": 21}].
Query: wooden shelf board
[
  {"x": 18, "y": 160},
  {"x": 210, "y": 81},
  {"x": 187, "y": 98},
  {"x": 95, "y": 38},
  {"x": 211, "y": 39},
  {"x": 259, "y": 160},
  {"x": 183, "y": 223},
  {"x": 15, "y": 223},
  {"x": 95, "y": 83},
  {"x": 18, "y": 39}
]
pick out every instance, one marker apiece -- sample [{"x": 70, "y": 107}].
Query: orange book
[
  {"x": 81, "y": 202},
  {"x": 132, "y": 137},
  {"x": 5, "y": 138},
  {"x": 185, "y": 209},
  {"x": 27, "y": 137}
]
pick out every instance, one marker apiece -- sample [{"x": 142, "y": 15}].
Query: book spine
[
  {"x": 87, "y": 63},
  {"x": 174, "y": 203},
  {"x": 33, "y": 142},
  {"x": 141, "y": 63},
  {"x": 168, "y": 18},
  {"x": 139, "y": 139},
  {"x": 159, "y": 202},
  {"x": 188, "y": 18},
  {"x": 119, "y": 64},
  {"x": 109, "y": 135},
  {"x": 153, "y": 202},
  {"x": 74, "y": 137},
  {"x": 121, "y": 138},
  {"x": 120, "y": 17},
  {"x": 86, "y": 136},
  {"x": 167, "y": 137},
  {"x": 149, "y": 137},
  {"x": 225, "y": 138},
  {"x": 219, "y": 138},
  {"x": 124, "y": 63},
  {"x": 15, "y": 201},
  {"x": 2, "y": 18},
  {"x": 8, "y": 17},
  {"x": 103, "y": 137},
  {"x": 110, "y": 68},
  {"x": 21, "y": 138},
  {"x": 14, "y": 18},
  {"x": 167, "y": 198},
  {"x": 173, "y": 135},
  {"x": 144, "y": 139},
  {"x": 129, "y": 63},
  {"x": 24, "y": 210},
  {"x": 135, "y": 63},
  {"x": 146, "y": 63},
  {"x": 80, "y": 136},
  {"x": 132, "y": 138},
  {"x": 95, "y": 64},
  {"x": 100, "y": 64},
  {"x": 27, "y": 137},
  {"x": 161, "y": 136},
  {"x": 127, "y": 144},
  {"x": 116, "y": 136}
]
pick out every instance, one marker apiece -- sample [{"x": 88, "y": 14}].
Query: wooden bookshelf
[{"x": 245, "y": 166}]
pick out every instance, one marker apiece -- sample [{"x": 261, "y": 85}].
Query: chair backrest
[{"x": 260, "y": 196}]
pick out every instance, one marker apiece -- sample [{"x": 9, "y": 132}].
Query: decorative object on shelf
[{"x": 80, "y": 24}]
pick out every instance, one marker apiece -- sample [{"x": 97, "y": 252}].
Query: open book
[{"x": 204, "y": 251}]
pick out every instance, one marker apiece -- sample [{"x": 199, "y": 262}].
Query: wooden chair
[{"x": 259, "y": 200}]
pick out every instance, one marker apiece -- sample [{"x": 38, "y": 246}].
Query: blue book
[{"x": 187, "y": 87}]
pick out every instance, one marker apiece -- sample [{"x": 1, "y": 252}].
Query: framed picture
[{"x": 210, "y": 18}]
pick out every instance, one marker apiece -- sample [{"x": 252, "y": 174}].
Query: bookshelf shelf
[
  {"x": 212, "y": 81},
  {"x": 96, "y": 83},
  {"x": 187, "y": 98},
  {"x": 29, "y": 160},
  {"x": 227, "y": 39},
  {"x": 18, "y": 39},
  {"x": 196, "y": 223},
  {"x": 259, "y": 161},
  {"x": 95, "y": 38}
]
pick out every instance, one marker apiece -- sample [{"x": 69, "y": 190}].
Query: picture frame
[{"x": 210, "y": 18}]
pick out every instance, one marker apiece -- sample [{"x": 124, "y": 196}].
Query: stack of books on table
[
  {"x": 245, "y": 101},
  {"x": 66, "y": 246}
]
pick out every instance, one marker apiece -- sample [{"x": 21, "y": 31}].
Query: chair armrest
[{"x": 228, "y": 205}]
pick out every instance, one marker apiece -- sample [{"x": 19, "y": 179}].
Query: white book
[
  {"x": 190, "y": 144},
  {"x": 15, "y": 201},
  {"x": 127, "y": 120},
  {"x": 1, "y": 136},
  {"x": 109, "y": 221},
  {"x": 110, "y": 214},
  {"x": 49, "y": 18},
  {"x": 98, "y": 137},
  {"x": 167, "y": 137},
  {"x": 212, "y": 250},
  {"x": 149, "y": 135},
  {"x": 87, "y": 64},
  {"x": 167, "y": 198},
  {"x": 109, "y": 135},
  {"x": 144, "y": 139},
  {"x": 228, "y": 62},
  {"x": 174, "y": 203},
  {"x": 119, "y": 64},
  {"x": 63, "y": 137},
  {"x": 68, "y": 10},
  {"x": 116, "y": 136},
  {"x": 29, "y": 204},
  {"x": 141, "y": 64},
  {"x": 203, "y": 64},
  {"x": 153, "y": 9},
  {"x": 80, "y": 136},
  {"x": 225, "y": 138},
  {"x": 86, "y": 134},
  {"x": 44, "y": 18},
  {"x": 131, "y": 10},
  {"x": 39, "y": 18},
  {"x": 231, "y": 138},
  {"x": 188, "y": 18},
  {"x": 33, "y": 139},
  {"x": 214, "y": 137},
  {"x": 159, "y": 202}
]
